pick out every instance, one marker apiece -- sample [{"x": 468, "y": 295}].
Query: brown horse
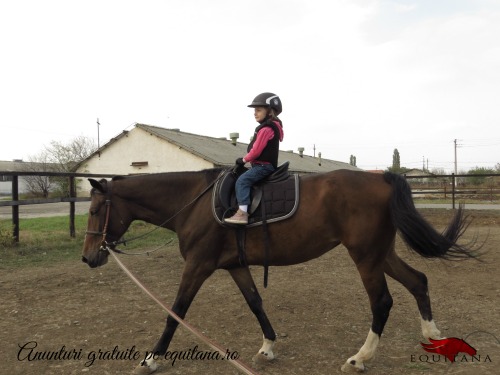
[{"x": 361, "y": 210}]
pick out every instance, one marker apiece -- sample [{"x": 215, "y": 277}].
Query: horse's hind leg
[
  {"x": 375, "y": 284},
  {"x": 243, "y": 278},
  {"x": 416, "y": 283}
]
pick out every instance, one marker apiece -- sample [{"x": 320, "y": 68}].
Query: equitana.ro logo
[
  {"x": 453, "y": 349},
  {"x": 449, "y": 347}
]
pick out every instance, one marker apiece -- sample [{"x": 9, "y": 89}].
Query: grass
[{"x": 45, "y": 241}]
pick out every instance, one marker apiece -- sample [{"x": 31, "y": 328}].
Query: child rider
[{"x": 262, "y": 151}]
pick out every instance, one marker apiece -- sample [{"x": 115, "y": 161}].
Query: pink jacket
[{"x": 263, "y": 136}]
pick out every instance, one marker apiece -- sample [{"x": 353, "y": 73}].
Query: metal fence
[{"x": 475, "y": 187}]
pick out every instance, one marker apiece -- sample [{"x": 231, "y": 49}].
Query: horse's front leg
[
  {"x": 244, "y": 280},
  {"x": 193, "y": 277}
]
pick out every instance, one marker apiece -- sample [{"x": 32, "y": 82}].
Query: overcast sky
[{"x": 355, "y": 77}]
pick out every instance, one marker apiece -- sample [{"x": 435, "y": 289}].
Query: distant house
[
  {"x": 6, "y": 180},
  {"x": 418, "y": 172},
  {"x": 152, "y": 149},
  {"x": 419, "y": 176}
]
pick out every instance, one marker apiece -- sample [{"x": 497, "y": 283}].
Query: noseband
[{"x": 111, "y": 246}]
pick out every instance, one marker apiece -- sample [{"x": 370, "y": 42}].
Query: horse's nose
[{"x": 84, "y": 260}]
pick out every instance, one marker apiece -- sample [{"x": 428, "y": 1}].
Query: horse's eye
[{"x": 93, "y": 212}]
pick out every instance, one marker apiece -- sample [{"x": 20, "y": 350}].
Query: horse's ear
[{"x": 98, "y": 185}]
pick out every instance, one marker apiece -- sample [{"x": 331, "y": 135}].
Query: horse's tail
[{"x": 418, "y": 234}]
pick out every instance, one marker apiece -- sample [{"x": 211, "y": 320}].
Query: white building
[
  {"x": 151, "y": 149},
  {"x": 6, "y": 180}
]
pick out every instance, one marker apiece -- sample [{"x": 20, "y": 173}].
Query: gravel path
[
  {"x": 61, "y": 209},
  {"x": 44, "y": 210}
]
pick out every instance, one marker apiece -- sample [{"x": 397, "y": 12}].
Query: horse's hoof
[
  {"x": 353, "y": 367},
  {"x": 145, "y": 370},
  {"x": 262, "y": 359}
]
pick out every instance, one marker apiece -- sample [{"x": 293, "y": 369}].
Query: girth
[{"x": 274, "y": 199}]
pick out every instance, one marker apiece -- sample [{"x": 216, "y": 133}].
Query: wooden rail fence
[
  {"x": 453, "y": 179},
  {"x": 15, "y": 202}
]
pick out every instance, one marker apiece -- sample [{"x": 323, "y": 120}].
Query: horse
[{"x": 361, "y": 210}]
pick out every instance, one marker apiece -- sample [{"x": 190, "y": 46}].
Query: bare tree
[
  {"x": 58, "y": 157},
  {"x": 66, "y": 155},
  {"x": 38, "y": 185},
  {"x": 438, "y": 171}
]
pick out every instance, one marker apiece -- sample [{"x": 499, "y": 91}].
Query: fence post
[
  {"x": 15, "y": 207},
  {"x": 72, "y": 194},
  {"x": 453, "y": 190}
]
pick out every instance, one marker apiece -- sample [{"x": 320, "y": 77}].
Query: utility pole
[
  {"x": 98, "y": 145},
  {"x": 455, "y": 142}
]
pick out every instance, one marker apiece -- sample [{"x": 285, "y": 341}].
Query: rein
[
  {"x": 222, "y": 351},
  {"x": 111, "y": 246}
]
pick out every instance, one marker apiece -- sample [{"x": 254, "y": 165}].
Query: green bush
[{"x": 6, "y": 236}]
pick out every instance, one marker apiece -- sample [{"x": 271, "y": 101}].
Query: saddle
[{"x": 279, "y": 192}]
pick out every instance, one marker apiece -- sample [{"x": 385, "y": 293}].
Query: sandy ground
[{"x": 319, "y": 310}]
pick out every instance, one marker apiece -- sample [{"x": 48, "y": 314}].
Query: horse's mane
[{"x": 209, "y": 173}]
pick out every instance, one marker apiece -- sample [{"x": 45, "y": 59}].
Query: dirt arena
[{"x": 319, "y": 310}]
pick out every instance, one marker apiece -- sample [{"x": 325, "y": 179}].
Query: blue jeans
[{"x": 245, "y": 182}]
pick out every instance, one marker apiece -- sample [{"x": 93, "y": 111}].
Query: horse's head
[{"x": 104, "y": 225}]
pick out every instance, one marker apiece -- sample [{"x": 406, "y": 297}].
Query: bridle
[
  {"x": 105, "y": 245},
  {"x": 111, "y": 246}
]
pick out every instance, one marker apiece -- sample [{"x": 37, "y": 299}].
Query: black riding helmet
[{"x": 267, "y": 99}]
